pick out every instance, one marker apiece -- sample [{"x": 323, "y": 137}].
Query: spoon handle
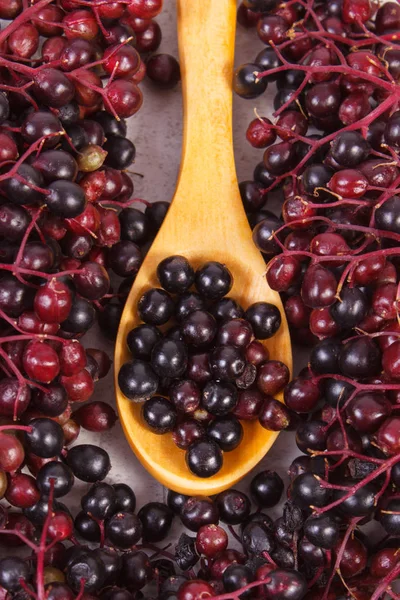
[{"x": 206, "y": 33}]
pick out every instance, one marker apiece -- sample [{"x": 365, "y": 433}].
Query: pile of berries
[
  {"x": 208, "y": 364},
  {"x": 331, "y": 155}
]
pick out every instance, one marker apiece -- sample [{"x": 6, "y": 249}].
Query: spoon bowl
[{"x": 206, "y": 221}]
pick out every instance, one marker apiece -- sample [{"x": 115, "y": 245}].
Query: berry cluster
[
  {"x": 69, "y": 77},
  {"x": 332, "y": 155},
  {"x": 69, "y": 74},
  {"x": 123, "y": 557},
  {"x": 207, "y": 362}
]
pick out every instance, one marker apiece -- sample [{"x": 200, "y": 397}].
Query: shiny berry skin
[
  {"x": 234, "y": 506},
  {"x": 319, "y": 287},
  {"x": 227, "y": 363},
  {"x": 88, "y": 462},
  {"x": 360, "y": 358},
  {"x": 196, "y": 589},
  {"x": 22, "y": 491},
  {"x": 145, "y": 9},
  {"x": 266, "y": 489},
  {"x": 72, "y": 358},
  {"x": 88, "y": 567},
  {"x": 322, "y": 98},
  {"x": 204, "y": 458},
  {"x": 185, "y": 395},
  {"x": 95, "y": 416},
  {"x": 367, "y": 411},
  {"x": 79, "y": 387},
  {"x": 198, "y": 368},
  {"x": 324, "y": 356},
  {"x": 13, "y": 570},
  {"x": 264, "y": 318},
  {"x": 246, "y": 83},
  {"x": 226, "y": 431},
  {"x": 137, "y": 380},
  {"x": 155, "y": 307},
  {"x": 387, "y": 215},
  {"x": 61, "y": 526},
  {"x": 176, "y": 501},
  {"x": 175, "y": 274},
  {"x": 391, "y": 361},
  {"x": 219, "y": 398},
  {"x": 169, "y": 358},
  {"x": 272, "y": 28},
  {"x": 226, "y": 309},
  {"x": 387, "y": 436},
  {"x": 159, "y": 414},
  {"x": 301, "y": 395},
  {"x": 125, "y": 499},
  {"x": 351, "y": 309},
  {"x": 260, "y": 134},
  {"x": 286, "y": 584},
  {"x": 11, "y": 453},
  {"x": 197, "y": 511},
  {"x": 123, "y": 530},
  {"x": 383, "y": 562},
  {"x": 66, "y": 199},
  {"x": 213, "y": 280},
  {"x": 323, "y": 531},
  {"x": 354, "y": 558},
  {"x": 99, "y": 500},
  {"x": 14, "y": 398},
  {"x": 210, "y": 540},
  {"x": 199, "y": 329},
  {"x": 280, "y": 158},
  {"x": 273, "y": 415},
  {"x": 45, "y": 439},
  {"x": 53, "y": 302},
  {"x": 249, "y": 404},
  {"x": 306, "y": 491},
  {"x": 40, "y": 361},
  {"x": 163, "y": 70},
  {"x": 57, "y": 476},
  {"x": 356, "y": 11},
  {"x": 156, "y": 519},
  {"x": 237, "y": 576},
  {"x": 349, "y": 149},
  {"x": 273, "y": 376}
]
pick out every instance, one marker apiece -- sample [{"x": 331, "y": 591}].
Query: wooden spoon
[{"x": 206, "y": 221}]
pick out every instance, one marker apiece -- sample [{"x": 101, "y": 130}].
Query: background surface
[{"x": 157, "y": 132}]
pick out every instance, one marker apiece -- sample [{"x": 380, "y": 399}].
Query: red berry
[
  {"x": 72, "y": 358},
  {"x": 349, "y": 183},
  {"x": 22, "y": 491},
  {"x": 60, "y": 527},
  {"x": 24, "y": 41},
  {"x": 356, "y": 11},
  {"x": 11, "y": 453},
  {"x": 79, "y": 387},
  {"x": 53, "y": 302},
  {"x": 387, "y": 436},
  {"x": 95, "y": 416},
  {"x": 391, "y": 361},
  {"x": 124, "y": 97},
  {"x": 260, "y": 133},
  {"x": 210, "y": 540},
  {"x": 80, "y": 24},
  {"x": 40, "y": 362},
  {"x": 196, "y": 589},
  {"x": 123, "y": 61},
  {"x": 145, "y": 9}
]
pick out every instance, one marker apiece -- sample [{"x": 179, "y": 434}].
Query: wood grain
[{"x": 206, "y": 221}]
